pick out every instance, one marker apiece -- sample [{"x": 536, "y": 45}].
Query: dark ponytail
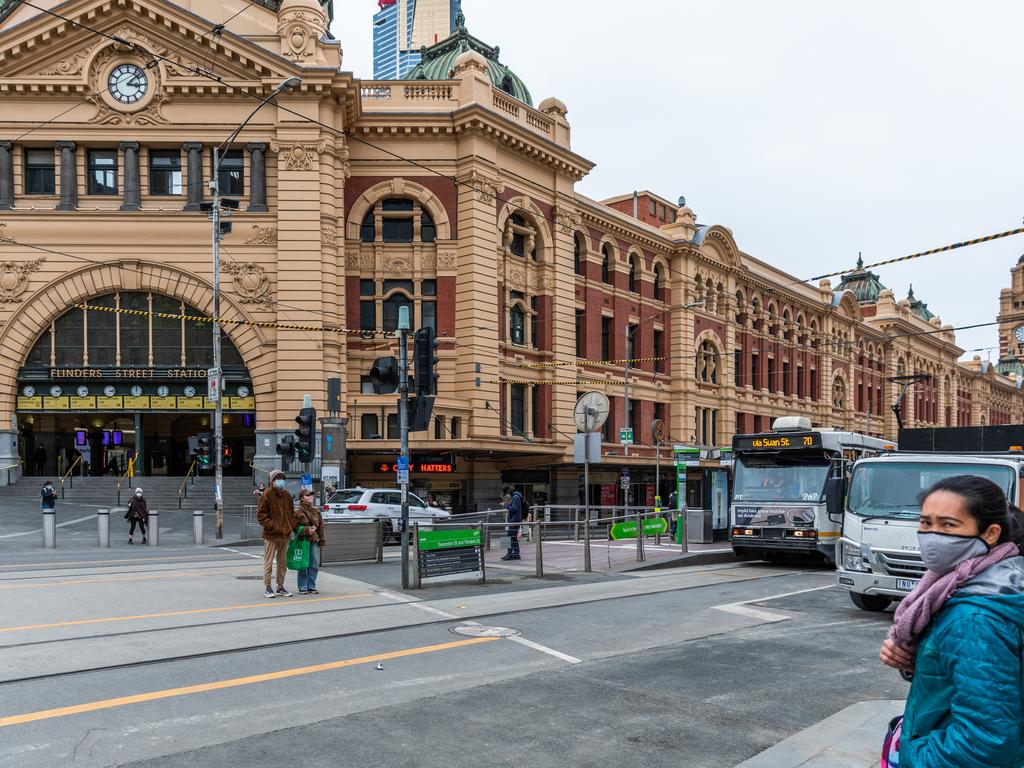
[{"x": 986, "y": 503}]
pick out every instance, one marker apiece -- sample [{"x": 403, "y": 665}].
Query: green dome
[
  {"x": 864, "y": 285},
  {"x": 437, "y": 61},
  {"x": 918, "y": 307}
]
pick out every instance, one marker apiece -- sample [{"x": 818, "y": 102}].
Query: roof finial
[
  {"x": 460, "y": 17},
  {"x": 860, "y": 261},
  {"x": 910, "y": 293}
]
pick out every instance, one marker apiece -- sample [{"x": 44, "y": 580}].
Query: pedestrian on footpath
[
  {"x": 513, "y": 519},
  {"x": 49, "y": 495},
  {"x": 137, "y": 514},
  {"x": 960, "y": 632},
  {"x": 259, "y": 491},
  {"x": 276, "y": 514},
  {"x": 307, "y": 515}
]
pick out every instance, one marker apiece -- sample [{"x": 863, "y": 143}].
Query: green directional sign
[
  {"x": 433, "y": 540},
  {"x": 627, "y": 530}
]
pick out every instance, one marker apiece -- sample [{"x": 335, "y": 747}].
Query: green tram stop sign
[
  {"x": 627, "y": 530},
  {"x": 434, "y": 540}
]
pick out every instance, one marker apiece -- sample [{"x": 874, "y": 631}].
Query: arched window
[
  {"x": 517, "y": 325},
  {"x": 838, "y": 393},
  {"x": 606, "y": 264},
  {"x": 397, "y": 217},
  {"x": 368, "y": 229},
  {"x": 707, "y": 363},
  {"x": 659, "y": 283},
  {"x": 392, "y": 304},
  {"x": 428, "y": 232},
  {"x": 634, "y": 274},
  {"x": 577, "y": 254}
]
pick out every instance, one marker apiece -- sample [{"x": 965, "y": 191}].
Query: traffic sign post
[{"x": 213, "y": 385}]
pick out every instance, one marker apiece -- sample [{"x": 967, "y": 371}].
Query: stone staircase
[{"x": 161, "y": 492}]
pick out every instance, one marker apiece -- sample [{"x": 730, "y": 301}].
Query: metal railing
[
  {"x": 9, "y": 467},
  {"x": 256, "y": 469},
  {"x": 190, "y": 475},
  {"x": 70, "y": 474},
  {"x": 128, "y": 475}
]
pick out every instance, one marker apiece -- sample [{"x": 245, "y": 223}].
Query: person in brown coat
[
  {"x": 138, "y": 514},
  {"x": 276, "y": 513},
  {"x": 308, "y": 515}
]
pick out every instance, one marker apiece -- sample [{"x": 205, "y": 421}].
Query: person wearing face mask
[
  {"x": 137, "y": 514},
  {"x": 49, "y": 495},
  {"x": 308, "y": 516},
  {"x": 276, "y": 513},
  {"x": 960, "y": 633}
]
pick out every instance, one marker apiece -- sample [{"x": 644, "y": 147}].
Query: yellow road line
[
  {"x": 123, "y": 579},
  {"x": 189, "y": 612},
  {"x": 140, "y": 560},
  {"x": 219, "y": 685}
]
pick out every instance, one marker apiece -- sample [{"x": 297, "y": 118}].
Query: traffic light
[
  {"x": 227, "y": 456},
  {"x": 384, "y": 375},
  {"x": 305, "y": 435},
  {"x": 424, "y": 350},
  {"x": 420, "y": 411},
  {"x": 286, "y": 447},
  {"x": 203, "y": 449}
]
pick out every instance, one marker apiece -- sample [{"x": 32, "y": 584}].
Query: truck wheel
[{"x": 874, "y": 603}]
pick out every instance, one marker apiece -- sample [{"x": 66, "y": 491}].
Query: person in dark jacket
[
  {"x": 137, "y": 514},
  {"x": 516, "y": 507},
  {"x": 49, "y": 495},
  {"x": 307, "y": 515},
  {"x": 276, "y": 513},
  {"x": 960, "y": 633},
  {"x": 39, "y": 459}
]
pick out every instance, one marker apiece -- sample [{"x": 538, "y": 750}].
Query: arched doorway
[{"x": 127, "y": 380}]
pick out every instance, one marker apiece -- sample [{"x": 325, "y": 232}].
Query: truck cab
[{"x": 878, "y": 560}]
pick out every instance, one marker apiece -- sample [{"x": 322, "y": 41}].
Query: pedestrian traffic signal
[
  {"x": 227, "y": 456},
  {"x": 305, "y": 435},
  {"x": 384, "y": 375},
  {"x": 203, "y": 450},
  {"x": 286, "y": 447},
  {"x": 425, "y": 362}
]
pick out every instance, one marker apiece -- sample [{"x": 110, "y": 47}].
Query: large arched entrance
[{"x": 128, "y": 380}]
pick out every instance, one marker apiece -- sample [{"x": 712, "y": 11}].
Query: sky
[{"x": 813, "y": 129}]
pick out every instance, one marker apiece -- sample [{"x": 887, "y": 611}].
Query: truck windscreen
[
  {"x": 891, "y": 489},
  {"x": 780, "y": 478}
]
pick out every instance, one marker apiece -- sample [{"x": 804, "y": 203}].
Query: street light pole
[{"x": 215, "y": 217}]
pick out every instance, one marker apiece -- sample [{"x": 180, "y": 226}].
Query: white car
[{"x": 384, "y": 504}]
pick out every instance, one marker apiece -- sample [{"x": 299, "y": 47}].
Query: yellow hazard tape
[
  {"x": 594, "y": 362},
  {"x": 550, "y": 382}
]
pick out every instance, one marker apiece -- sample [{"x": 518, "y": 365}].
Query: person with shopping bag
[
  {"x": 276, "y": 514},
  {"x": 137, "y": 514},
  {"x": 311, "y": 529},
  {"x": 959, "y": 634}
]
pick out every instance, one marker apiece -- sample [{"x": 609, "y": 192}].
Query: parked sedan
[{"x": 384, "y": 504}]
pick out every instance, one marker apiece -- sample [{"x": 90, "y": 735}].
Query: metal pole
[
  {"x": 483, "y": 558},
  {"x": 103, "y": 527},
  {"x": 218, "y": 417},
  {"x": 50, "y": 528},
  {"x": 416, "y": 577},
  {"x": 403, "y": 425},
  {"x": 586, "y": 506},
  {"x": 539, "y": 557},
  {"x": 625, "y": 401},
  {"x": 657, "y": 484}
]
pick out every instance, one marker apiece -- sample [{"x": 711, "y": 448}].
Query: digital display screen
[
  {"x": 80, "y": 437},
  {"x": 775, "y": 442},
  {"x": 117, "y": 437}
]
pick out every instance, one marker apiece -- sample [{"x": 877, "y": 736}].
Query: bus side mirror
[{"x": 835, "y": 496}]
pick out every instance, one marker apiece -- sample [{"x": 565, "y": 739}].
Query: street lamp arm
[{"x": 286, "y": 85}]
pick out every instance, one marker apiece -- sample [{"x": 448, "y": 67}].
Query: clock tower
[{"x": 1011, "y": 322}]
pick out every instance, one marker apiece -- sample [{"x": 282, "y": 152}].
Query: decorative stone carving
[
  {"x": 263, "y": 235},
  {"x": 446, "y": 260},
  {"x": 300, "y": 25},
  {"x": 298, "y": 157},
  {"x": 545, "y": 281},
  {"x": 367, "y": 262},
  {"x": 516, "y": 278},
  {"x": 568, "y": 220},
  {"x": 14, "y": 276},
  {"x": 400, "y": 265},
  {"x": 429, "y": 261},
  {"x": 328, "y": 234},
  {"x": 352, "y": 260},
  {"x": 71, "y": 65},
  {"x": 251, "y": 283},
  {"x": 486, "y": 189}
]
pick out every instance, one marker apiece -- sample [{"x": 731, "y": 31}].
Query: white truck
[{"x": 878, "y": 559}]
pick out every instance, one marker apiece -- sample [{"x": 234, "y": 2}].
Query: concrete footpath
[{"x": 851, "y": 738}]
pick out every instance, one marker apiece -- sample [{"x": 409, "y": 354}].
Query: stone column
[
  {"x": 132, "y": 181},
  {"x": 257, "y": 178},
  {"x": 195, "y": 175},
  {"x": 68, "y": 176},
  {"x": 6, "y": 176}
]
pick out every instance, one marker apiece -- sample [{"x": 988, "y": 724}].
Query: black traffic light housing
[
  {"x": 384, "y": 375},
  {"x": 424, "y": 352},
  {"x": 420, "y": 411},
  {"x": 202, "y": 454},
  {"x": 305, "y": 435},
  {"x": 286, "y": 447}
]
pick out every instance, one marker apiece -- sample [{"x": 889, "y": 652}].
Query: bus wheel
[{"x": 874, "y": 603}]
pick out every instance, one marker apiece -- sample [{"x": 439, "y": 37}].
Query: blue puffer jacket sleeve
[{"x": 981, "y": 659}]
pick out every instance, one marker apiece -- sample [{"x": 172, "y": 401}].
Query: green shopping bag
[{"x": 298, "y": 552}]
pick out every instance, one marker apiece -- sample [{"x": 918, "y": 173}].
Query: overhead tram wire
[
  {"x": 550, "y": 219},
  {"x": 215, "y": 30}
]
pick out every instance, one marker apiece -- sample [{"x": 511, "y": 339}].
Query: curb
[{"x": 690, "y": 558}]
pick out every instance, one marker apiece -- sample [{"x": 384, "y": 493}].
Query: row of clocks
[{"x": 110, "y": 391}]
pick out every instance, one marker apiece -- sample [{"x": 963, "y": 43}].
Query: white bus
[{"x": 788, "y": 488}]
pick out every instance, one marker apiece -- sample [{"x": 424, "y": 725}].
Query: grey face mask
[{"x": 942, "y": 552}]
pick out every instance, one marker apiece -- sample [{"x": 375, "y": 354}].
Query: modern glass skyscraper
[{"x": 402, "y": 27}]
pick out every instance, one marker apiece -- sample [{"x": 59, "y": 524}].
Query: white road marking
[
  {"x": 40, "y": 530},
  {"x": 544, "y": 649},
  {"x": 413, "y": 602},
  {"x": 244, "y": 554},
  {"x": 743, "y": 607}
]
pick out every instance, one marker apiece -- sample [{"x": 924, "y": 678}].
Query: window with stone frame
[
  {"x": 707, "y": 362},
  {"x": 398, "y": 220},
  {"x": 606, "y": 264},
  {"x": 838, "y": 393},
  {"x": 659, "y": 283},
  {"x": 381, "y": 300},
  {"x": 579, "y": 248},
  {"x": 634, "y": 274},
  {"x": 40, "y": 175},
  {"x": 520, "y": 237}
]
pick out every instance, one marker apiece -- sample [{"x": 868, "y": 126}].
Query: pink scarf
[{"x": 915, "y": 613}]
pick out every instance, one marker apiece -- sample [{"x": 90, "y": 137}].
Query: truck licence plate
[{"x": 906, "y": 584}]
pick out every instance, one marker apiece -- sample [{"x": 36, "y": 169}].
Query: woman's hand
[{"x": 896, "y": 656}]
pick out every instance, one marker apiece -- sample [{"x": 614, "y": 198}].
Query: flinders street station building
[{"x": 452, "y": 193}]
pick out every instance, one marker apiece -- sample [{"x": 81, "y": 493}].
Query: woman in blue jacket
[{"x": 961, "y": 632}]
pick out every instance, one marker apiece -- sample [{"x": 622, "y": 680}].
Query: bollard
[
  {"x": 50, "y": 528},
  {"x": 539, "y": 535},
  {"x": 103, "y": 528},
  {"x": 197, "y": 527},
  {"x": 586, "y": 541},
  {"x": 153, "y": 528},
  {"x": 485, "y": 531}
]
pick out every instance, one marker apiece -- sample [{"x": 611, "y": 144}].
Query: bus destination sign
[{"x": 776, "y": 442}]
